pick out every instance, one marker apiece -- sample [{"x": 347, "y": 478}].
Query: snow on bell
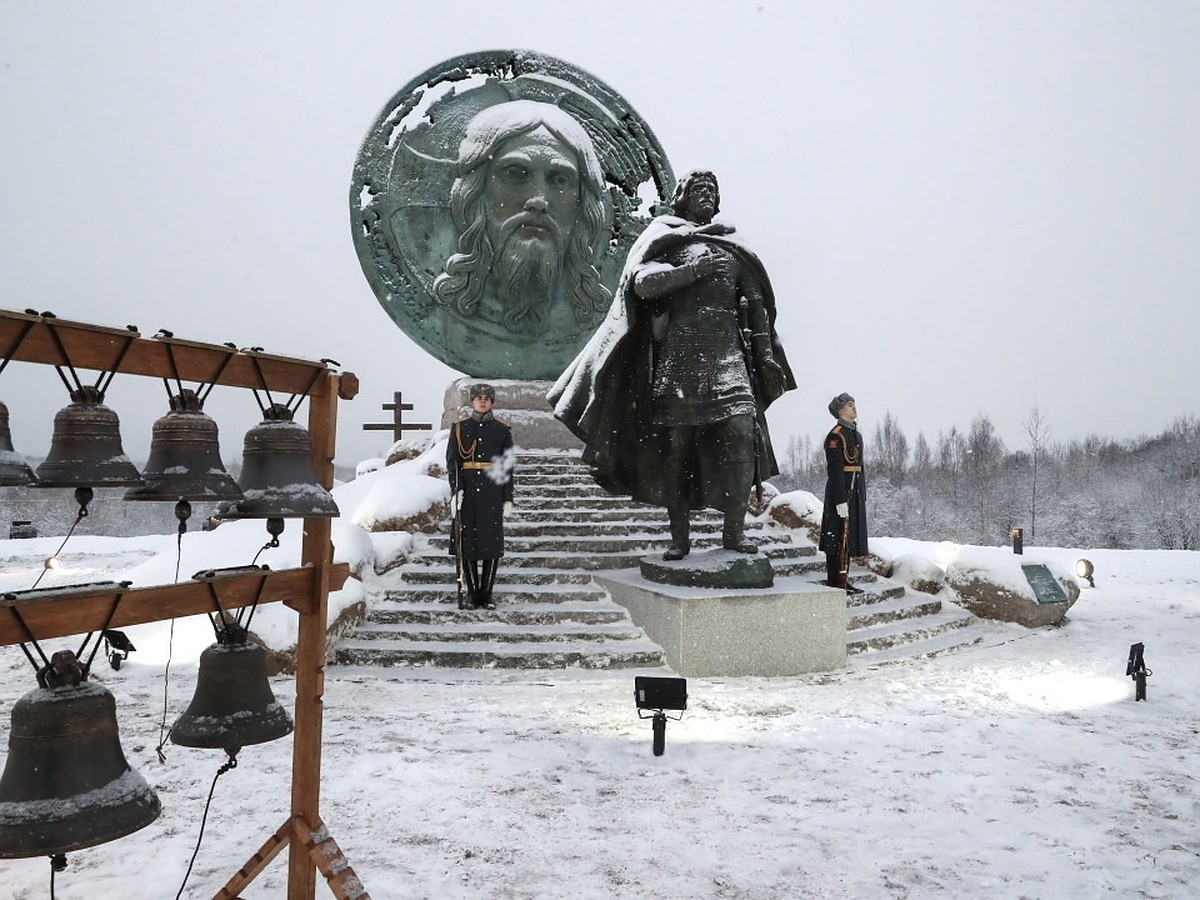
[
  {"x": 66, "y": 783},
  {"x": 85, "y": 448},
  {"x": 278, "y": 477},
  {"x": 14, "y": 470},
  {"x": 185, "y": 457},
  {"x": 233, "y": 706}
]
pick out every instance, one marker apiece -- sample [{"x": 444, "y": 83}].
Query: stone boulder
[
  {"x": 799, "y": 511},
  {"x": 996, "y": 586}
]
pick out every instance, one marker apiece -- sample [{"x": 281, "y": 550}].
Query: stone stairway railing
[{"x": 550, "y": 612}]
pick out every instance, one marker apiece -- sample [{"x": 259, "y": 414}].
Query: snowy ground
[{"x": 1021, "y": 768}]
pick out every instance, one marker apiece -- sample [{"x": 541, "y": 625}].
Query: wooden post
[{"x": 310, "y": 646}]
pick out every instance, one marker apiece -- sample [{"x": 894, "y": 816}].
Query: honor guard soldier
[
  {"x": 479, "y": 464},
  {"x": 844, "y": 521}
]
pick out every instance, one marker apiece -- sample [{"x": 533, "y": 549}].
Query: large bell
[
  {"x": 66, "y": 784},
  {"x": 185, "y": 457},
  {"x": 14, "y": 470},
  {"x": 233, "y": 705},
  {"x": 278, "y": 478},
  {"x": 85, "y": 448}
]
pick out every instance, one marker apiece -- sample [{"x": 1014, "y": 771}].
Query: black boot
[
  {"x": 486, "y": 582},
  {"x": 470, "y": 571},
  {"x": 681, "y": 544}
]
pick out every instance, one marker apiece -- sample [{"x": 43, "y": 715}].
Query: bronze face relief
[{"x": 493, "y": 203}]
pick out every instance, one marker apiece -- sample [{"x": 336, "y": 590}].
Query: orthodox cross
[{"x": 397, "y": 426}]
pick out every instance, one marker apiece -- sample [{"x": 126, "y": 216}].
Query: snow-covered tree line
[{"x": 970, "y": 487}]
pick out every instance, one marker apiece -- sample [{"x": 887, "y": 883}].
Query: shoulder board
[{"x": 502, "y": 422}]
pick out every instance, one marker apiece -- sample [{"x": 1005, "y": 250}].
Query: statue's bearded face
[
  {"x": 531, "y": 202},
  {"x": 700, "y": 201}
]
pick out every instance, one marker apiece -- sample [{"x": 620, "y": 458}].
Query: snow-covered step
[
  {"x": 901, "y": 632},
  {"x": 487, "y": 627},
  {"x": 892, "y": 609},
  {"x": 512, "y": 613},
  {"x": 642, "y": 653}
]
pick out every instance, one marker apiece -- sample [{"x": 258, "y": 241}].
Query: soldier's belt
[
  {"x": 852, "y": 469},
  {"x": 477, "y": 465}
]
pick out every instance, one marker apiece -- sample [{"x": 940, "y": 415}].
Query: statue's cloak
[{"x": 603, "y": 397}]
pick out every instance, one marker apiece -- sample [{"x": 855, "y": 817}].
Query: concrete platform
[{"x": 792, "y": 628}]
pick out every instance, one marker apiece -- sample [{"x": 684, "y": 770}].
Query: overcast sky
[{"x": 965, "y": 207}]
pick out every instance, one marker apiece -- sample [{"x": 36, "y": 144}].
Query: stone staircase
[{"x": 551, "y": 613}]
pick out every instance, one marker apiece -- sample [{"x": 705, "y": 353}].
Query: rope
[
  {"x": 162, "y": 725},
  {"x": 231, "y": 764}
]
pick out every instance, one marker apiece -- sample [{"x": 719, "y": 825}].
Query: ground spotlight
[
  {"x": 1136, "y": 669},
  {"x": 1085, "y": 569},
  {"x": 659, "y": 694}
]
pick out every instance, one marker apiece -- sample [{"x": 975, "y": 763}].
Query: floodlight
[
  {"x": 1018, "y": 536},
  {"x": 660, "y": 694},
  {"x": 1085, "y": 569},
  {"x": 1136, "y": 669}
]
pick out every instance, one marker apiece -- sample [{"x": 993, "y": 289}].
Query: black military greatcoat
[
  {"x": 479, "y": 462},
  {"x": 844, "y": 484}
]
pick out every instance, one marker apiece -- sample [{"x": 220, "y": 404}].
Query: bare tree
[
  {"x": 890, "y": 458},
  {"x": 1038, "y": 433},
  {"x": 985, "y": 453}
]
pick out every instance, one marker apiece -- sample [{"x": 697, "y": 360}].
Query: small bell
[
  {"x": 14, "y": 470},
  {"x": 233, "y": 705},
  {"x": 278, "y": 477},
  {"x": 185, "y": 457},
  {"x": 66, "y": 783},
  {"x": 85, "y": 448}
]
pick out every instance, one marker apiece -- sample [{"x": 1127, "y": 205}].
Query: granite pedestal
[{"x": 790, "y": 628}]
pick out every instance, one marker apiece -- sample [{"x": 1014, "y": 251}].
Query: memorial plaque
[{"x": 1045, "y": 586}]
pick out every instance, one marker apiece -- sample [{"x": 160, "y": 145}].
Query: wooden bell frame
[{"x": 44, "y": 339}]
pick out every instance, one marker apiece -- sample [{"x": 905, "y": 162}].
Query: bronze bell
[
  {"x": 66, "y": 783},
  {"x": 278, "y": 477},
  {"x": 14, "y": 470},
  {"x": 233, "y": 705},
  {"x": 85, "y": 448},
  {"x": 185, "y": 457}
]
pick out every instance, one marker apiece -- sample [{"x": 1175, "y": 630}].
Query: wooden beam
[
  {"x": 61, "y": 611},
  {"x": 31, "y": 338},
  {"x": 259, "y": 861}
]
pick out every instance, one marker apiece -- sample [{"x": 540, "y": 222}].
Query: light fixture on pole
[
  {"x": 1084, "y": 569},
  {"x": 1136, "y": 669},
  {"x": 1018, "y": 540},
  {"x": 660, "y": 694}
]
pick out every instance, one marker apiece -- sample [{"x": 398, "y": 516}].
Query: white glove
[
  {"x": 507, "y": 509},
  {"x": 455, "y": 503},
  {"x": 843, "y": 510}
]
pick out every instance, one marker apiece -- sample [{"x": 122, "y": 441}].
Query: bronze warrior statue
[{"x": 670, "y": 394}]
